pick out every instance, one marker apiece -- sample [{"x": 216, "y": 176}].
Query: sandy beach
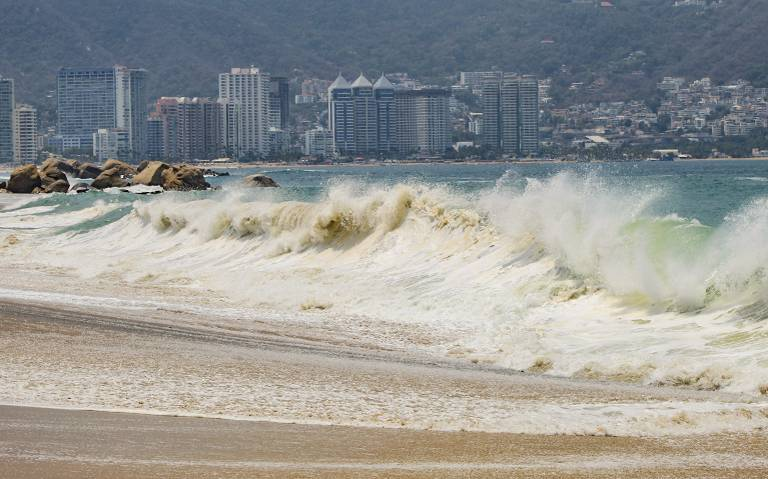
[
  {"x": 74, "y": 444},
  {"x": 150, "y": 366}
]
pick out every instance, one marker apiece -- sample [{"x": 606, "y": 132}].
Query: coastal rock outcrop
[
  {"x": 70, "y": 167},
  {"x": 58, "y": 186},
  {"x": 177, "y": 178},
  {"x": 260, "y": 181},
  {"x": 185, "y": 178},
  {"x": 53, "y": 180},
  {"x": 24, "y": 179},
  {"x": 88, "y": 171},
  {"x": 111, "y": 178},
  {"x": 123, "y": 168},
  {"x": 151, "y": 173},
  {"x": 54, "y": 174}
]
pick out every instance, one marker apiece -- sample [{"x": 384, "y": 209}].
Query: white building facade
[
  {"x": 245, "y": 94},
  {"x": 25, "y": 143}
]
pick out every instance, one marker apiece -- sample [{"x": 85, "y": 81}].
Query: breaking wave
[{"x": 566, "y": 276}]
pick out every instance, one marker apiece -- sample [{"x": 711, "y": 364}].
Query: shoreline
[
  {"x": 5, "y": 169},
  {"x": 187, "y": 364},
  {"x": 41, "y": 442},
  {"x": 234, "y": 165}
]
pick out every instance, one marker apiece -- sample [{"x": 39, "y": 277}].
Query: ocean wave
[{"x": 566, "y": 276}]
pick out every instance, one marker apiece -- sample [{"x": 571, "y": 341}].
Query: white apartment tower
[
  {"x": 25, "y": 134},
  {"x": 510, "y": 122},
  {"x": 245, "y": 93}
]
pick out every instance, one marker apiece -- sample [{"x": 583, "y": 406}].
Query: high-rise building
[
  {"x": 510, "y": 122},
  {"x": 386, "y": 116},
  {"x": 247, "y": 90},
  {"x": 132, "y": 111},
  {"x": 190, "y": 128},
  {"x": 279, "y": 102},
  {"x": 380, "y": 118},
  {"x": 167, "y": 111},
  {"x": 341, "y": 115},
  {"x": 7, "y": 108},
  {"x": 111, "y": 143},
  {"x": 475, "y": 80},
  {"x": 318, "y": 142},
  {"x": 491, "y": 121},
  {"x": 423, "y": 121},
  {"x": 25, "y": 134},
  {"x": 90, "y": 99},
  {"x": 365, "y": 109},
  {"x": 509, "y": 112},
  {"x": 87, "y": 102},
  {"x": 529, "y": 115},
  {"x": 230, "y": 126},
  {"x": 155, "y": 138}
]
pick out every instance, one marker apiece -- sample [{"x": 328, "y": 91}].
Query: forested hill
[{"x": 185, "y": 43}]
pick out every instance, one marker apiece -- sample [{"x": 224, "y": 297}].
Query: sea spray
[{"x": 571, "y": 271}]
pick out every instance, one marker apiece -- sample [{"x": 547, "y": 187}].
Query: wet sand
[
  {"x": 74, "y": 444},
  {"x": 299, "y": 392}
]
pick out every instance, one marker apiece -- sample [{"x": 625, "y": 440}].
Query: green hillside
[{"x": 185, "y": 43}]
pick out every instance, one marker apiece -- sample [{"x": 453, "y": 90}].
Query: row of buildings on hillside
[
  {"x": 697, "y": 111},
  {"x": 107, "y": 113}
]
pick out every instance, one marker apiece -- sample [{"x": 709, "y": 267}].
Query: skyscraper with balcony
[
  {"x": 528, "y": 100},
  {"x": 7, "y": 108},
  {"x": 341, "y": 116},
  {"x": 362, "y": 116},
  {"x": 510, "y": 123},
  {"x": 25, "y": 134},
  {"x": 132, "y": 109},
  {"x": 91, "y": 99},
  {"x": 189, "y": 129},
  {"x": 381, "y": 119},
  {"x": 423, "y": 121},
  {"x": 365, "y": 127},
  {"x": 246, "y": 92},
  {"x": 386, "y": 115}
]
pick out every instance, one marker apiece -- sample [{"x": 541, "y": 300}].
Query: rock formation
[
  {"x": 111, "y": 178},
  {"x": 24, "y": 179},
  {"x": 260, "y": 181}
]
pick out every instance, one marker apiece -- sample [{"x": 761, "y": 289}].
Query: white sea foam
[{"x": 566, "y": 277}]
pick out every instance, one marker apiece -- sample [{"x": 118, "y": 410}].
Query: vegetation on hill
[{"x": 618, "y": 51}]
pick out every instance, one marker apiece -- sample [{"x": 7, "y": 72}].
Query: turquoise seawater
[{"x": 704, "y": 190}]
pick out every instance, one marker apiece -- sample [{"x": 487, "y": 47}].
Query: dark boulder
[
  {"x": 88, "y": 171},
  {"x": 54, "y": 180},
  {"x": 24, "y": 179},
  {"x": 55, "y": 164},
  {"x": 58, "y": 186},
  {"x": 213, "y": 173},
  {"x": 260, "y": 181},
  {"x": 109, "y": 179}
]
